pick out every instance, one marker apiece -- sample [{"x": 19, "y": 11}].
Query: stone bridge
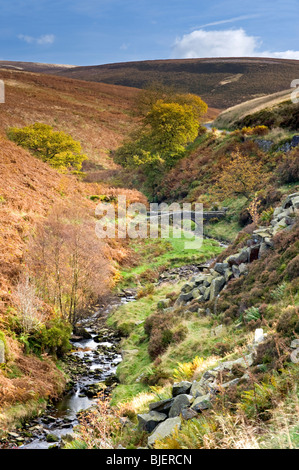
[{"x": 207, "y": 215}]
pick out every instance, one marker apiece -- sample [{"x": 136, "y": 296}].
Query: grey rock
[
  {"x": 185, "y": 297},
  {"x": 221, "y": 267},
  {"x": 206, "y": 295},
  {"x": 188, "y": 413},
  {"x": 149, "y": 421},
  {"x": 187, "y": 288},
  {"x": 295, "y": 344},
  {"x": 179, "y": 388},
  {"x": 202, "y": 403},
  {"x": 228, "y": 274},
  {"x": 295, "y": 202},
  {"x": 52, "y": 438},
  {"x": 164, "y": 429},
  {"x": 216, "y": 286},
  {"x": 163, "y": 406},
  {"x": 231, "y": 383},
  {"x": 295, "y": 141},
  {"x": 243, "y": 269},
  {"x": 236, "y": 271},
  {"x": 196, "y": 293},
  {"x": 198, "y": 279},
  {"x": 197, "y": 389},
  {"x": 180, "y": 402}
]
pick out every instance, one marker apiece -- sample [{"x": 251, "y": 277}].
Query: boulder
[
  {"x": 196, "y": 293},
  {"x": 238, "y": 258},
  {"x": 198, "y": 279},
  {"x": 52, "y": 438},
  {"x": 295, "y": 344},
  {"x": 188, "y": 413},
  {"x": 295, "y": 202},
  {"x": 259, "y": 336},
  {"x": 206, "y": 295},
  {"x": 187, "y": 288},
  {"x": 179, "y": 388},
  {"x": 163, "y": 406},
  {"x": 81, "y": 332},
  {"x": 289, "y": 201},
  {"x": 216, "y": 286},
  {"x": 149, "y": 421},
  {"x": 295, "y": 141},
  {"x": 180, "y": 402},
  {"x": 236, "y": 271},
  {"x": 221, "y": 267},
  {"x": 202, "y": 403},
  {"x": 231, "y": 383},
  {"x": 185, "y": 297},
  {"x": 197, "y": 390},
  {"x": 228, "y": 274},
  {"x": 243, "y": 269},
  {"x": 164, "y": 429}
]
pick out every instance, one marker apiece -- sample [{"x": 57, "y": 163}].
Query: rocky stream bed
[{"x": 92, "y": 367}]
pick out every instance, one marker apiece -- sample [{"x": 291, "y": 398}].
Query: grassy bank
[{"x": 152, "y": 256}]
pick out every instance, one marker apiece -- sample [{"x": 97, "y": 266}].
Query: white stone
[{"x": 259, "y": 335}]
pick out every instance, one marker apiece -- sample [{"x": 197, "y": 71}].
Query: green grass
[
  {"x": 154, "y": 255},
  {"x": 228, "y": 228}
]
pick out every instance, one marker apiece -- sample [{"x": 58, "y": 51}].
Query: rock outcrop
[
  {"x": 191, "y": 398},
  {"x": 207, "y": 285}
]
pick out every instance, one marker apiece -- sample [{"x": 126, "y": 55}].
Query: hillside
[
  {"x": 36, "y": 202},
  {"x": 98, "y": 115},
  {"x": 232, "y": 115},
  {"x": 33, "y": 66},
  {"x": 221, "y": 82}
]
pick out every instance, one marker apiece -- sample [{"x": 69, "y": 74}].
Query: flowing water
[{"x": 97, "y": 359}]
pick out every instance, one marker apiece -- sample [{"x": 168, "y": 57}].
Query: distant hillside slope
[
  {"x": 33, "y": 66},
  {"x": 222, "y": 82},
  {"x": 100, "y": 116},
  {"x": 230, "y": 116}
]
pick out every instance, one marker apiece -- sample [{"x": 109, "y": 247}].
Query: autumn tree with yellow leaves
[{"x": 241, "y": 177}]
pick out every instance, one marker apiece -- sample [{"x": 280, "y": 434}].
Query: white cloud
[
  {"x": 41, "y": 40},
  {"x": 224, "y": 43}
]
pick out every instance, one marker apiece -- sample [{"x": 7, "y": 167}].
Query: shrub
[
  {"x": 163, "y": 329},
  {"x": 250, "y": 314},
  {"x": 293, "y": 268},
  {"x": 288, "y": 323},
  {"x": 59, "y": 149},
  {"x": 288, "y": 170}
]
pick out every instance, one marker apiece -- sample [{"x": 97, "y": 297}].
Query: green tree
[
  {"x": 58, "y": 149},
  {"x": 173, "y": 125}
]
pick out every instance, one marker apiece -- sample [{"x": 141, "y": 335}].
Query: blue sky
[{"x": 90, "y": 32}]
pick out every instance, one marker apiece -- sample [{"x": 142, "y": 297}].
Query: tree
[
  {"x": 173, "y": 125},
  {"x": 241, "y": 177},
  {"x": 169, "y": 94},
  {"x": 59, "y": 149}
]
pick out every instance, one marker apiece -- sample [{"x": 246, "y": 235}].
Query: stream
[{"x": 93, "y": 360}]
